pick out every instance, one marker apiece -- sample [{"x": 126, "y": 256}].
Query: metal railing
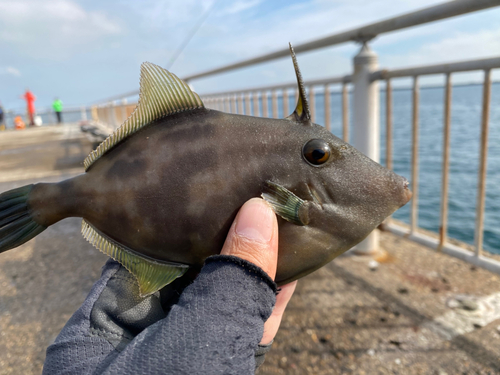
[
  {"x": 486, "y": 65},
  {"x": 364, "y": 85},
  {"x": 70, "y": 114},
  {"x": 255, "y": 101}
]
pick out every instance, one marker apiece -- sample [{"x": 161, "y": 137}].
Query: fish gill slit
[{"x": 314, "y": 194}]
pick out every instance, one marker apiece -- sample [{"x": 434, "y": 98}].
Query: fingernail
[{"x": 255, "y": 221}]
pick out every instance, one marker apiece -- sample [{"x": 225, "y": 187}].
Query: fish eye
[{"x": 316, "y": 152}]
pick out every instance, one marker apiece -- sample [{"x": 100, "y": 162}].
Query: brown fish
[{"x": 160, "y": 194}]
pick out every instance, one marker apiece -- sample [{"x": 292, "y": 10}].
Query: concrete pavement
[{"x": 45, "y": 280}]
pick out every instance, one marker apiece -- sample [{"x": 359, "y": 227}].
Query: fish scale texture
[{"x": 215, "y": 327}]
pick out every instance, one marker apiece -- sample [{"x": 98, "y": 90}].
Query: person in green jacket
[{"x": 57, "y": 106}]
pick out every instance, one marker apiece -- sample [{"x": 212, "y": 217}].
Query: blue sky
[{"x": 84, "y": 51}]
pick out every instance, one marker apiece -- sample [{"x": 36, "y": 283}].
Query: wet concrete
[{"x": 354, "y": 316}]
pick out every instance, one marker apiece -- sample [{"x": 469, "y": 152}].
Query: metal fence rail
[
  {"x": 70, "y": 114},
  {"x": 460, "y": 66},
  {"x": 255, "y": 101},
  {"x": 447, "y": 69}
]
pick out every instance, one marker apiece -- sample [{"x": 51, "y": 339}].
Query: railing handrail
[
  {"x": 365, "y": 33},
  {"x": 44, "y": 110},
  {"x": 383, "y": 74},
  {"x": 285, "y": 86},
  {"x": 444, "y": 68}
]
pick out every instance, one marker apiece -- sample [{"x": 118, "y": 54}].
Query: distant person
[
  {"x": 30, "y": 102},
  {"x": 58, "y": 106},
  {"x": 2, "y": 117}
]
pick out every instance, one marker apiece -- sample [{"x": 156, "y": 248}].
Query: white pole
[
  {"x": 83, "y": 111},
  {"x": 366, "y": 118}
]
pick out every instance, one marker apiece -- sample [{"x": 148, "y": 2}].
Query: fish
[{"x": 160, "y": 193}]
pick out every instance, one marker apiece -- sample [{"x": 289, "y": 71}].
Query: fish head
[
  {"x": 341, "y": 196},
  {"x": 348, "y": 188}
]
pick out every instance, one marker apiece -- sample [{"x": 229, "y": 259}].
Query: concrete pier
[{"x": 410, "y": 311}]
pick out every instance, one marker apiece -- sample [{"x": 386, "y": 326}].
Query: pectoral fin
[
  {"x": 151, "y": 275},
  {"x": 286, "y": 204}
]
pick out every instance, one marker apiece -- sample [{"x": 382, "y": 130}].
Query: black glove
[{"x": 117, "y": 331}]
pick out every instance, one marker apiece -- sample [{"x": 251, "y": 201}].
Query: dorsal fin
[
  {"x": 301, "y": 112},
  {"x": 151, "y": 275},
  {"x": 162, "y": 93}
]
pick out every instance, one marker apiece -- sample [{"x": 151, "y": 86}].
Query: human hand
[
  {"x": 254, "y": 237},
  {"x": 224, "y": 308}
]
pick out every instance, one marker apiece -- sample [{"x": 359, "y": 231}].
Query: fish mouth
[{"x": 406, "y": 191}]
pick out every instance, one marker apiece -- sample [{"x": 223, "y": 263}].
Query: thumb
[{"x": 254, "y": 236}]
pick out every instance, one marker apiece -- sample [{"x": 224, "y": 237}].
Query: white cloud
[
  {"x": 461, "y": 46},
  {"x": 45, "y": 28},
  {"x": 10, "y": 70},
  {"x": 458, "y": 47},
  {"x": 167, "y": 15},
  {"x": 239, "y": 6},
  {"x": 303, "y": 22},
  {"x": 13, "y": 71}
]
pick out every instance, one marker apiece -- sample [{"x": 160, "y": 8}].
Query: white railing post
[
  {"x": 83, "y": 112},
  {"x": 366, "y": 118}
]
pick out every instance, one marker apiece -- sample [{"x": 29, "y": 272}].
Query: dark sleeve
[{"x": 214, "y": 328}]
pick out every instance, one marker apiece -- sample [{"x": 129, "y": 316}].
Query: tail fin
[{"x": 17, "y": 225}]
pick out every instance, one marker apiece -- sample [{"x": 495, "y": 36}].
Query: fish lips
[
  {"x": 354, "y": 216},
  {"x": 406, "y": 191}
]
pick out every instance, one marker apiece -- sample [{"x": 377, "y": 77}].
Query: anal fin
[{"x": 151, "y": 275}]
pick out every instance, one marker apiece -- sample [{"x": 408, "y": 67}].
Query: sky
[{"x": 86, "y": 51}]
